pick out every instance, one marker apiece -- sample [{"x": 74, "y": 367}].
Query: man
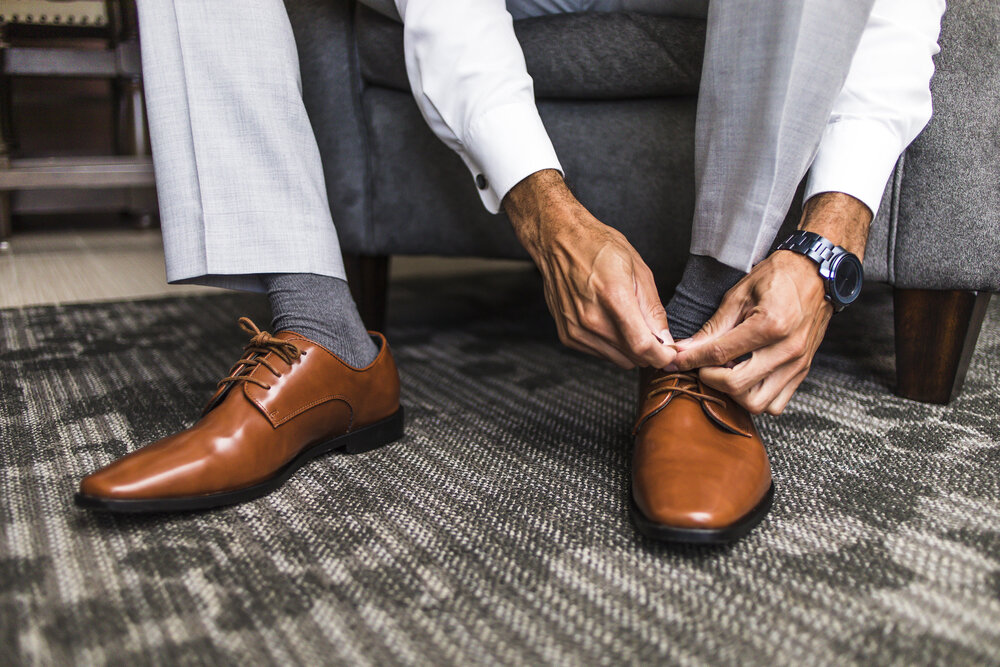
[{"x": 841, "y": 87}]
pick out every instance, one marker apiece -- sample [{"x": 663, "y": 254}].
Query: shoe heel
[{"x": 375, "y": 435}]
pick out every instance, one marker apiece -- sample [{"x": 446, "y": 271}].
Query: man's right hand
[{"x": 599, "y": 291}]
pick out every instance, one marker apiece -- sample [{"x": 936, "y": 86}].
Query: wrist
[
  {"x": 802, "y": 269},
  {"x": 535, "y": 203},
  {"x": 839, "y": 218},
  {"x": 840, "y": 270}
]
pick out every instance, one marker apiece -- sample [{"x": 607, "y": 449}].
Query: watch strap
[
  {"x": 822, "y": 251},
  {"x": 812, "y": 245}
]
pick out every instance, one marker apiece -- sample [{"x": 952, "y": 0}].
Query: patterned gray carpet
[{"x": 496, "y": 531}]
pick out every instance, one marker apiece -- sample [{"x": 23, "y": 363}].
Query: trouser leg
[
  {"x": 771, "y": 73},
  {"x": 239, "y": 175}
]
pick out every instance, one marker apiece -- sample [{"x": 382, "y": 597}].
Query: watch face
[{"x": 847, "y": 278}]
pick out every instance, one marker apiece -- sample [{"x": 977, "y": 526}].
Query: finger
[
  {"x": 633, "y": 334},
  {"x": 575, "y": 337},
  {"x": 777, "y": 406},
  {"x": 759, "y": 397},
  {"x": 747, "y": 374},
  {"x": 592, "y": 326},
  {"x": 582, "y": 340},
  {"x": 652, "y": 308},
  {"x": 744, "y": 338},
  {"x": 724, "y": 319}
]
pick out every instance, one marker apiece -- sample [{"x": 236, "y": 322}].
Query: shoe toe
[
  {"x": 117, "y": 482},
  {"x": 667, "y": 501},
  {"x": 682, "y": 488},
  {"x": 168, "y": 468}
]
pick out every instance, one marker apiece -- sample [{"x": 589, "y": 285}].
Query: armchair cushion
[{"x": 569, "y": 56}]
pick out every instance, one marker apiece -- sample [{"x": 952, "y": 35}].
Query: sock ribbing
[
  {"x": 321, "y": 309},
  {"x": 704, "y": 283}
]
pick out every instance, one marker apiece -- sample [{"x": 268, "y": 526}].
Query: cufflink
[{"x": 481, "y": 182}]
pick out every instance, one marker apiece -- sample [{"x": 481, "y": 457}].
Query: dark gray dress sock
[
  {"x": 321, "y": 309},
  {"x": 704, "y": 283}
]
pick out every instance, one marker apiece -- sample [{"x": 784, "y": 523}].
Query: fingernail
[{"x": 670, "y": 368}]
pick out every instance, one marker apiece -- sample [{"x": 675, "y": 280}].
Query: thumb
[
  {"x": 653, "y": 312},
  {"x": 724, "y": 319}
]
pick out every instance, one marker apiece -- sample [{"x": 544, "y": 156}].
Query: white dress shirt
[
  {"x": 884, "y": 104},
  {"x": 467, "y": 73},
  {"x": 469, "y": 79}
]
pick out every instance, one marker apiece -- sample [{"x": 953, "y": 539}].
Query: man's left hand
[{"x": 778, "y": 314}]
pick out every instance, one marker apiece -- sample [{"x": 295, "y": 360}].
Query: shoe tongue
[
  {"x": 649, "y": 406},
  {"x": 224, "y": 391},
  {"x": 686, "y": 380},
  {"x": 730, "y": 416}
]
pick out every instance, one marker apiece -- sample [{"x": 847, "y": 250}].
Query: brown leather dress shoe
[
  {"x": 285, "y": 402},
  {"x": 699, "y": 470}
]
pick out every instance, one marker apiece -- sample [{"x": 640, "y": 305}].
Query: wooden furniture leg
[
  {"x": 131, "y": 136},
  {"x": 5, "y": 222},
  {"x": 936, "y": 332},
  {"x": 5, "y": 134},
  {"x": 123, "y": 181},
  {"x": 368, "y": 278}
]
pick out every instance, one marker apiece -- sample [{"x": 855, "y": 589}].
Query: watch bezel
[{"x": 831, "y": 279}]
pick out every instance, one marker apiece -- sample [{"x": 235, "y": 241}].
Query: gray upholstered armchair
[{"x": 617, "y": 94}]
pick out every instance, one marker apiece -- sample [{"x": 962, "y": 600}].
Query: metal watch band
[
  {"x": 822, "y": 251},
  {"x": 810, "y": 244}
]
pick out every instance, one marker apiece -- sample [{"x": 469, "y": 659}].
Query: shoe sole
[
  {"x": 731, "y": 533},
  {"x": 364, "y": 439}
]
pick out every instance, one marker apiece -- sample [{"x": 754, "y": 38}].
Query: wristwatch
[{"x": 840, "y": 270}]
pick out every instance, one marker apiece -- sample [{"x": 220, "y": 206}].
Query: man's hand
[
  {"x": 600, "y": 293},
  {"x": 778, "y": 314}
]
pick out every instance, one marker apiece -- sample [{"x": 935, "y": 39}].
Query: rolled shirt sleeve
[
  {"x": 884, "y": 104},
  {"x": 468, "y": 76}
]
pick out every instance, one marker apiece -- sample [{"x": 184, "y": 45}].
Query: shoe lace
[
  {"x": 688, "y": 384},
  {"x": 254, "y": 354}
]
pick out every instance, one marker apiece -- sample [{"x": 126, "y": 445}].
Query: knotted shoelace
[
  {"x": 254, "y": 352},
  {"x": 687, "y": 384}
]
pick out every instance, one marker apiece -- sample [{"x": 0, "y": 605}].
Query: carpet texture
[{"x": 496, "y": 531}]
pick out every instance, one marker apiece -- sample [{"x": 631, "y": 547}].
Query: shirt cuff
[
  {"x": 856, "y": 156},
  {"x": 503, "y": 147}
]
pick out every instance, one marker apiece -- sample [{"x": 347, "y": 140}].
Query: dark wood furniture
[
  {"x": 936, "y": 332},
  {"x": 34, "y": 45}
]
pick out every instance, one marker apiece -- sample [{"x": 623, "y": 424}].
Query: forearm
[
  {"x": 530, "y": 203},
  {"x": 839, "y": 217}
]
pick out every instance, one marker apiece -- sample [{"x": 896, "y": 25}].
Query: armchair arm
[{"x": 947, "y": 231}]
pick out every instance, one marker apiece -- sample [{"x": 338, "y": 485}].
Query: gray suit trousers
[{"x": 238, "y": 170}]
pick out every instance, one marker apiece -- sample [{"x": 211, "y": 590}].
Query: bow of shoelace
[
  {"x": 255, "y": 352},
  {"x": 687, "y": 384}
]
